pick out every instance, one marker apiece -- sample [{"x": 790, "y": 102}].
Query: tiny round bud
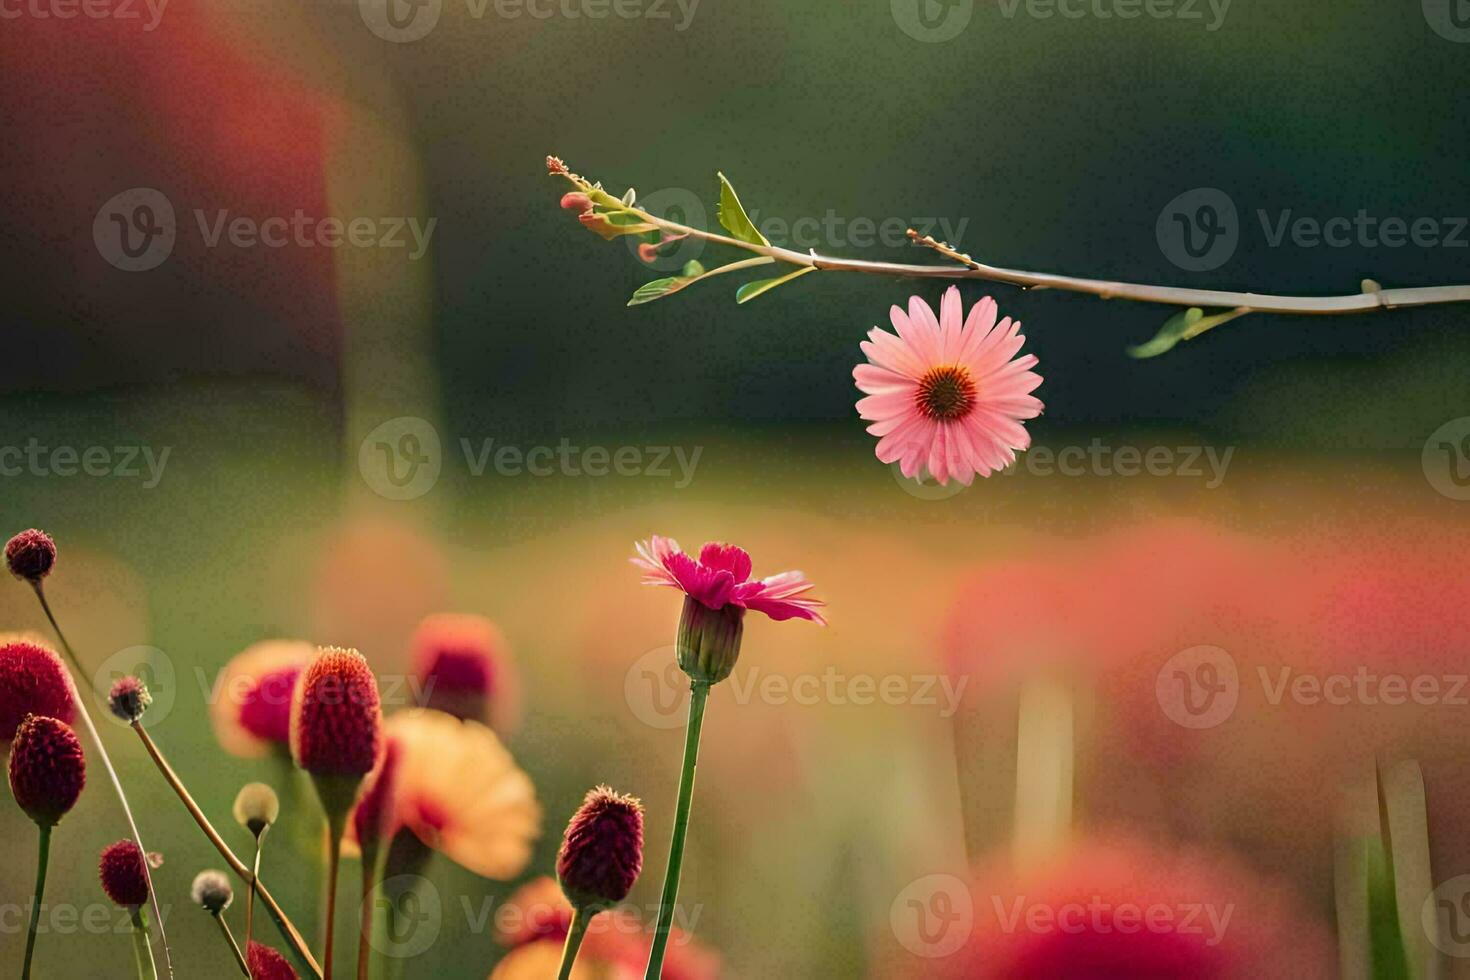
[
  {"x": 267, "y": 964},
  {"x": 336, "y": 718},
  {"x": 124, "y": 877},
  {"x": 256, "y": 807},
  {"x": 576, "y": 201},
  {"x": 602, "y": 852},
  {"x": 47, "y": 769},
  {"x": 129, "y": 698},
  {"x": 30, "y": 555},
  {"x": 211, "y": 891},
  {"x": 33, "y": 681}
]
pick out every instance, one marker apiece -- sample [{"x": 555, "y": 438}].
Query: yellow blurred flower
[{"x": 456, "y": 787}]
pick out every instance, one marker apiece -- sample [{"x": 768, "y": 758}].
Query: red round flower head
[
  {"x": 124, "y": 878},
  {"x": 47, "y": 769},
  {"x": 267, "y": 964},
  {"x": 129, "y": 699},
  {"x": 602, "y": 852},
  {"x": 460, "y": 663},
  {"x": 336, "y": 717},
  {"x": 33, "y": 681},
  {"x": 30, "y": 555}
]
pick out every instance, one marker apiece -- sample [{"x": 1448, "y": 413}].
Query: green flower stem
[
  {"x": 371, "y": 872},
  {"x": 41, "y": 861},
  {"x": 250, "y": 898},
  {"x": 224, "y": 927},
  {"x": 81, "y": 703},
  {"x": 575, "y": 934},
  {"x": 698, "y": 693},
  {"x": 142, "y": 949},
  {"x": 288, "y": 930}
]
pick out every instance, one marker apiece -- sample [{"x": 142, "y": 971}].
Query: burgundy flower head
[
  {"x": 602, "y": 852},
  {"x": 30, "y": 555},
  {"x": 129, "y": 698},
  {"x": 33, "y": 681},
  {"x": 124, "y": 877},
  {"x": 460, "y": 662},
  {"x": 373, "y": 817},
  {"x": 721, "y": 577},
  {"x": 47, "y": 769},
  {"x": 265, "y": 710},
  {"x": 267, "y": 964},
  {"x": 336, "y": 716}
]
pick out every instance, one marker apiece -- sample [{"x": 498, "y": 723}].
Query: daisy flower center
[{"x": 946, "y": 393}]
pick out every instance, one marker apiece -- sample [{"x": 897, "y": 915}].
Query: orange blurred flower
[{"x": 460, "y": 792}]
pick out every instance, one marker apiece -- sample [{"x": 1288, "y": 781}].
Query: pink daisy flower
[
  {"x": 721, "y": 577},
  {"x": 945, "y": 397}
]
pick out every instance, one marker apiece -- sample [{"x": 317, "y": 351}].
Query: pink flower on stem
[
  {"x": 720, "y": 577},
  {"x": 948, "y": 397}
]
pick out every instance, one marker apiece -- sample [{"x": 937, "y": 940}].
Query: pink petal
[
  {"x": 919, "y": 329},
  {"x": 893, "y": 353},
  {"x": 886, "y": 405},
  {"x": 950, "y": 317},
  {"x": 718, "y": 555},
  {"x": 653, "y": 557},
  {"x": 874, "y": 379}
]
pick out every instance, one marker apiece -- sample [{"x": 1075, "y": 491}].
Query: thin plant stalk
[
  {"x": 122, "y": 797},
  {"x": 254, "y": 882},
  {"x": 142, "y": 949},
  {"x": 287, "y": 928},
  {"x": 42, "y": 859},
  {"x": 373, "y": 859},
  {"x": 699, "y": 692},
  {"x": 1371, "y": 299},
  {"x": 224, "y": 927},
  {"x": 334, "y": 859},
  {"x": 575, "y": 934}
]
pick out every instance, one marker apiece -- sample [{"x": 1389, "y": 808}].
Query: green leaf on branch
[
  {"x": 615, "y": 225},
  {"x": 733, "y": 217},
  {"x": 1182, "y": 326},
  {"x": 751, "y": 290},
  {"x": 659, "y": 288}
]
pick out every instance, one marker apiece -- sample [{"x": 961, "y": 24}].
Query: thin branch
[{"x": 1370, "y": 300}]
